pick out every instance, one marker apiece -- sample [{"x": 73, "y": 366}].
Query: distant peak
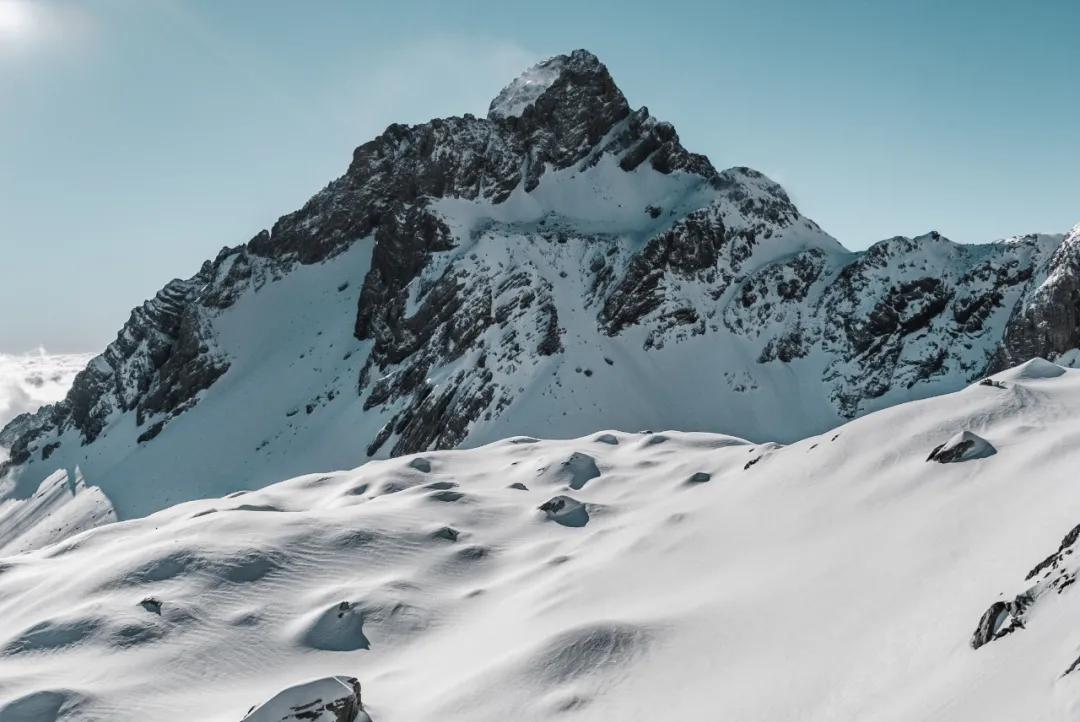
[{"x": 578, "y": 69}]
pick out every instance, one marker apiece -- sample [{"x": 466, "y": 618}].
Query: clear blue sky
[{"x": 137, "y": 137}]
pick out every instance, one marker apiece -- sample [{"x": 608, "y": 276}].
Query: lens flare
[{"x": 15, "y": 18}]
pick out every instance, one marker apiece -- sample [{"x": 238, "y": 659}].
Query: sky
[{"x": 138, "y": 137}]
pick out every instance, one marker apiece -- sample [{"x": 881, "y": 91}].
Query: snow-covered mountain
[
  {"x": 562, "y": 265},
  {"x": 653, "y": 576}
]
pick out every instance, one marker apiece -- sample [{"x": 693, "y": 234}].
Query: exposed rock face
[
  {"x": 710, "y": 247},
  {"x": 913, "y": 311},
  {"x": 1047, "y": 322},
  {"x": 1054, "y": 574},
  {"x": 162, "y": 357},
  {"x": 564, "y": 222}
]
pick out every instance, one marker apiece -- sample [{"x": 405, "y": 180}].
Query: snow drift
[{"x": 838, "y": 577}]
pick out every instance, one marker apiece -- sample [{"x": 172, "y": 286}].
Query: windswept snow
[{"x": 839, "y": 577}]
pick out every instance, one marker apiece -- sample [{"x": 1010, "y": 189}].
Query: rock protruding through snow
[
  {"x": 577, "y": 470},
  {"x": 377, "y": 584},
  {"x": 1053, "y": 574},
  {"x": 964, "y": 446},
  {"x": 566, "y": 511},
  {"x": 420, "y": 464},
  {"x": 330, "y": 699},
  {"x": 1000, "y": 619}
]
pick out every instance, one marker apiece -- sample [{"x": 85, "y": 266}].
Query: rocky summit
[{"x": 561, "y": 265}]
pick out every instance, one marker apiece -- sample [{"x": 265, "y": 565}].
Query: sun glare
[{"x": 15, "y": 18}]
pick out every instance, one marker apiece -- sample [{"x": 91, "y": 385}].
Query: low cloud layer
[{"x": 27, "y": 381}]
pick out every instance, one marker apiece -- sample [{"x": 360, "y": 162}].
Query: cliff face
[
  {"x": 561, "y": 265},
  {"x": 1047, "y": 321}
]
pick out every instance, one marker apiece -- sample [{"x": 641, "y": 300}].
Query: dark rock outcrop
[
  {"x": 1000, "y": 619},
  {"x": 1054, "y": 574},
  {"x": 1047, "y": 322}
]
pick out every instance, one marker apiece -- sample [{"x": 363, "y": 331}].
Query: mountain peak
[
  {"x": 435, "y": 294},
  {"x": 578, "y": 77}
]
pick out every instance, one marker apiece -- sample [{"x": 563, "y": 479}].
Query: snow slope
[{"x": 684, "y": 576}]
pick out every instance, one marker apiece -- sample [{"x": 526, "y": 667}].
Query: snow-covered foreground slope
[
  {"x": 28, "y": 381},
  {"x": 681, "y": 576}
]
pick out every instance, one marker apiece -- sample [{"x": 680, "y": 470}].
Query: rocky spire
[{"x": 563, "y": 84}]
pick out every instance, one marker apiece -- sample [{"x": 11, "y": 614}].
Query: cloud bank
[{"x": 28, "y": 381}]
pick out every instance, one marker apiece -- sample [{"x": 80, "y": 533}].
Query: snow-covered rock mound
[
  {"x": 566, "y": 511},
  {"x": 962, "y": 446},
  {"x": 1033, "y": 370},
  {"x": 438, "y": 580},
  {"x": 331, "y": 699},
  {"x": 576, "y": 471}
]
